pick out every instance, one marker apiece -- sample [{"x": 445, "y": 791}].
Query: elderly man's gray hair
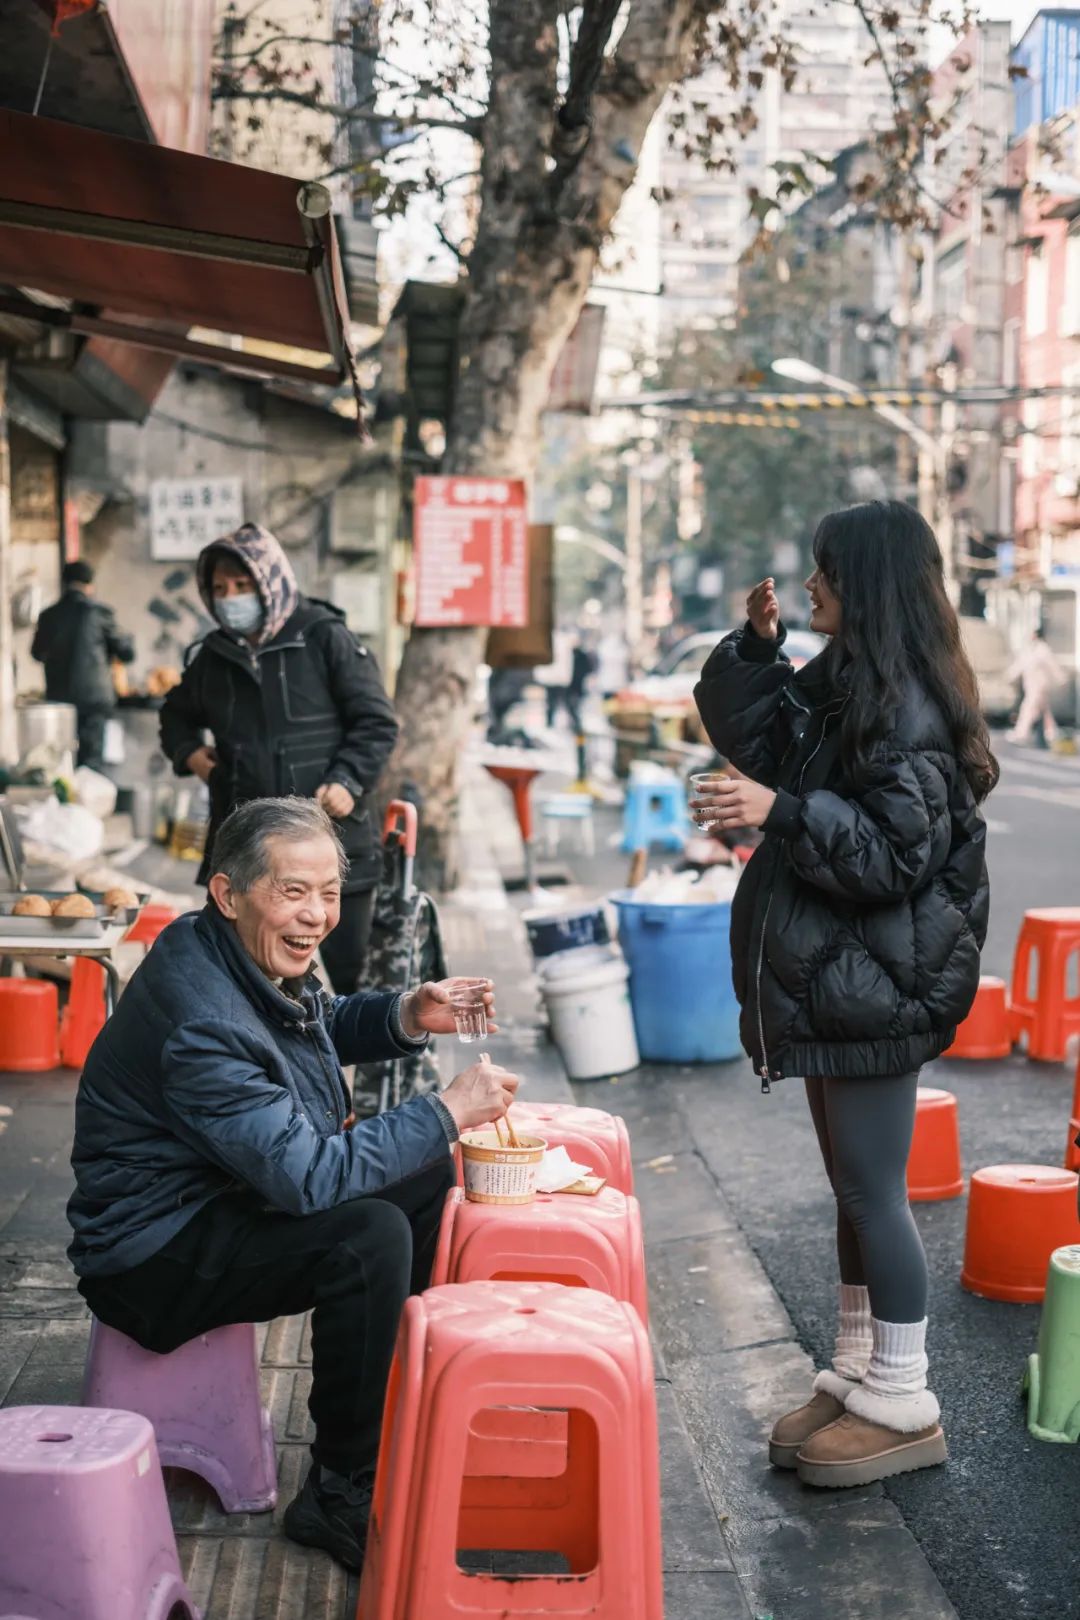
[{"x": 241, "y": 847}]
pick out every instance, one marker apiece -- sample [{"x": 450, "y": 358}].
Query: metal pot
[{"x": 54, "y": 725}]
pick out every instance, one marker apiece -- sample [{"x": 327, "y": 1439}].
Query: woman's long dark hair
[{"x": 883, "y": 562}]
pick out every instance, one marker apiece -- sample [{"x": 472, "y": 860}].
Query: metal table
[{"x": 99, "y": 948}]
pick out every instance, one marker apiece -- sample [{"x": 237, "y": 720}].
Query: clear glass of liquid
[
  {"x": 705, "y": 812},
  {"x": 467, "y": 1005}
]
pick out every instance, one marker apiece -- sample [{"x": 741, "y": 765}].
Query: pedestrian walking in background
[
  {"x": 296, "y": 705},
  {"x": 78, "y": 642},
  {"x": 1039, "y": 674},
  {"x": 856, "y": 931}
]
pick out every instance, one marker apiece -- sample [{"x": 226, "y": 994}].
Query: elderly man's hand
[
  {"x": 480, "y": 1094},
  {"x": 427, "y": 1010},
  {"x": 732, "y": 802}
]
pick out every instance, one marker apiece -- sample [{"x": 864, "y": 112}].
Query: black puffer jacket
[
  {"x": 77, "y": 640},
  {"x": 857, "y": 927},
  {"x": 306, "y": 707}
]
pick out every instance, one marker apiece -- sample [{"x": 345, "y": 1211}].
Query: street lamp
[{"x": 933, "y": 452}]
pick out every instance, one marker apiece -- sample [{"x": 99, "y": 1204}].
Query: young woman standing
[{"x": 856, "y": 931}]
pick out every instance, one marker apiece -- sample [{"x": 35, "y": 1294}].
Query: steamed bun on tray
[
  {"x": 31, "y": 905},
  {"x": 73, "y": 905}
]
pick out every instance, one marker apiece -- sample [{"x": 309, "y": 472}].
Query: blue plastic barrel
[{"x": 685, "y": 1009}]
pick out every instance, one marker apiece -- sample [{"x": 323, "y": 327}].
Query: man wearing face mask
[{"x": 295, "y": 705}]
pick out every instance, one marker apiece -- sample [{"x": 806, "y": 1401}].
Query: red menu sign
[{"x": 470, "y": 551}]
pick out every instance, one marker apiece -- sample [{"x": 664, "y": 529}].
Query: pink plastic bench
[
  {"x": 204, "y": 1402},
  {"x": 84, "y": 1524}
]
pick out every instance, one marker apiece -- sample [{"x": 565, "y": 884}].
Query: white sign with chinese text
[{"x": 187, "y": 513}]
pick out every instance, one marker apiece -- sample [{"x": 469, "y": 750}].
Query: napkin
[{"x": 558, "y": 1170}]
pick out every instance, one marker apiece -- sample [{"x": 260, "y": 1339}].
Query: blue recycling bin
[{"x": 684, "y": 1004}]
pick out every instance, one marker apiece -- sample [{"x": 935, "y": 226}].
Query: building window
[
  {"x": 1036, "y": 291},
  {"x": 1030, "y": 458}
]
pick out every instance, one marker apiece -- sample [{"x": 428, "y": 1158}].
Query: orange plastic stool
[
  {"x": 579, "y": 1241},
  {"x": 987, "y": 1030},
  {"x": 1050, "y": 1016},
  {"x": 1018, "y": 1214},
  {"x": 463, "y": 1351},
  {"x": 84, "y": 1016},
  {"x": 933, "y": 1170},
  {"x": 150, "y": 922},
  {"x": 589, "y": 1135},
  {"x": 29, "y": 1020}
]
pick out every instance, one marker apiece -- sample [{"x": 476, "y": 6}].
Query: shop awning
[{"x": 163, "y": 240}]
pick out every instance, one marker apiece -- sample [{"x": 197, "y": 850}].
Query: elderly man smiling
[{"x": 217, "y": 1177}]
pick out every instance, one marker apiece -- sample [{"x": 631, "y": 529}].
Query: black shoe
[{"x": 332, "y": 1512}]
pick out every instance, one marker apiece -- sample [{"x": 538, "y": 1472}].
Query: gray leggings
[{"x": 864, "y": 1129}]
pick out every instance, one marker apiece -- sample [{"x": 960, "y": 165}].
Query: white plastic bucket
[
  {"x": 591, "y": 1020},
  {"x": 494, "y": 1174}
]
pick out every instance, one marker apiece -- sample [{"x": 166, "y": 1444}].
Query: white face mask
[{"x": 242, "y": 613}]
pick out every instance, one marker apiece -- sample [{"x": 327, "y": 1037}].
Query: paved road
[{"x": 999, "y": 1524}]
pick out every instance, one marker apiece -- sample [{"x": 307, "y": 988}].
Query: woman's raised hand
[{"x": 763, "y": 610}]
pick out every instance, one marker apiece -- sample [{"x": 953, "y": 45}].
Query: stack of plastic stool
[
  {"x": 933, "y": 1170},
  {"x": 29, "y": 1021},
  {"x": 1049, "y": 1016},
  {"x": 579, "y": 1241},
  {"x": 468, "y": 1350},
  {"x": 987, "y": 1030},
  {"x": 84, "y": 1016},
  {"x": 655, "y": 813},
  {"x": 203, "y": 1400},
  {"x": 84, "y": 1524},
  {"x": 1018, "y": 1214},
  {"x": 1053, "y": 1373},
  {"x": 151, "y": 921},
  {"x": 590, "y": 1136}
]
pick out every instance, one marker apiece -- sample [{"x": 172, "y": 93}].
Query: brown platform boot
[
  {"x": 794, "y": 1429},
  {"x": 855, "y": 1451}
]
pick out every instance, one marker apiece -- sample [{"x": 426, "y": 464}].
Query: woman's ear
[{"x": 222, "y": 892}]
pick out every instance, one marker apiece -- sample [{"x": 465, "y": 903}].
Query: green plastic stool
[{"x": 1053, "y": 1376}]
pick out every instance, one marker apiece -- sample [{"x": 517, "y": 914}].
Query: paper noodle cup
[{"x": 494, "y": 1174}]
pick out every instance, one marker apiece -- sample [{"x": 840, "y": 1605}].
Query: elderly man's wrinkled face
[{"x": 285, "y": 916}]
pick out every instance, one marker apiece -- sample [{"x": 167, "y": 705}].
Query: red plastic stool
[
  {"x": 933, "y": 1170},
  {"x": 987, "y": 1030},
  {"x": 579, "y": 1241},
  {"x": 84, "y": 1016},
  {"x": 1018, "y": 1214},
  {"x": 1050, "y": 1016},
  {"x": 462, "y": 1352},
  {"x": 151, "y": 921},
  {"x": 28, "y": 1025},
  {"x": 589, "y": 1135}
]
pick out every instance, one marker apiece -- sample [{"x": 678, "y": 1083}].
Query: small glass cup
[
  {"x": 467, "y": 1005},
  {"x": 706, "y": 815}
]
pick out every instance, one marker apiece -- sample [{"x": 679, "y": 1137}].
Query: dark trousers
[
  {"x": 92, "y": 737},
  {"x": 354, "y": 1266},
  {"x": 568, "y": 697},
  {"x": 864, "y": 1129},
  {"x": 343, "y": 952}
]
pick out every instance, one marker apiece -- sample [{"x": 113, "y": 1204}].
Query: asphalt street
[{"x": 999, "y": 1522}]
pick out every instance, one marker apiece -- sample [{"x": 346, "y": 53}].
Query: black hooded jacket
[
  {"x": 306, "y": 707},
  {"x": 77, "y": 640},
  {"x": 857, "y": 926}
]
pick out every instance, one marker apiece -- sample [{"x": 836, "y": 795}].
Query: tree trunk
[{"x": 538, "y": 238}]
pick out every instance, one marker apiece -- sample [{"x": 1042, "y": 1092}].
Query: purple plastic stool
[
  {"x": 84, "y": 1524},
  {"x": 204, "y": 1403}
]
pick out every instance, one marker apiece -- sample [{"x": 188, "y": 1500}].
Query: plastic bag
[
  {"x": 95, "y": 792},
  {"x": 69, "y": 829}
]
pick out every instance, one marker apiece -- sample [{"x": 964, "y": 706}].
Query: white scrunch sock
[
  {"x": 854, "y": 1343},
  {"x": 893, "y": 1391}
]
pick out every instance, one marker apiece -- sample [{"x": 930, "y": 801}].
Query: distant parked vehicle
[
  {"x": 988, "y": 649},
  {"x": 658, "y": 707}
]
